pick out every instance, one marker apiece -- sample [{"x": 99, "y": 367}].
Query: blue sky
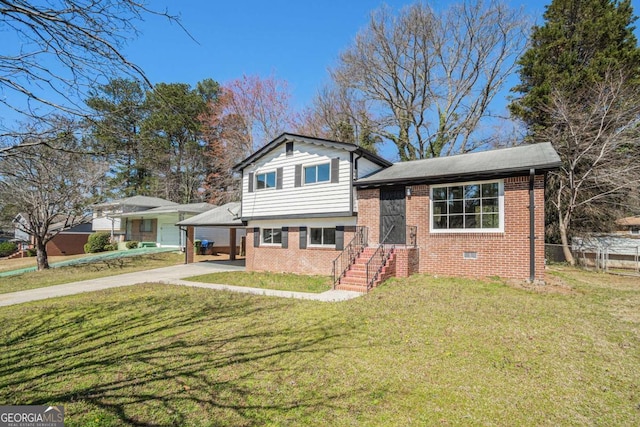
[
  {"x": 293, "y": 40},
  {"x": 296, "y": 41}
]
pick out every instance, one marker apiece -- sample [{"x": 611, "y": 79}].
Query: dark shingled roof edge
[
  {"x": 290, "y": 137},
  {"x": 481, "y": 165}
]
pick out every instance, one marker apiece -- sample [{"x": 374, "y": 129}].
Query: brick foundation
[{"x": 293, "y": 259}]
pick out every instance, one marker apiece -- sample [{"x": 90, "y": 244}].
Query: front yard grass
[
  {"x": 417, "y": 351},
  {"x": 60, "y": 275},
  {"x": 278, "y": 281}
]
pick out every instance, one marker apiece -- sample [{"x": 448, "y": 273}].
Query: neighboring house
[
  {"x": 629, "y": 225},
  {"x": 159, "y": 224},
  {"x": 146, "y": 219},
  {"x": 67, "y": 241},
  {"x": 107, "y": 217},
  {"x": 19, "y": 235},
  {"x": 313, "y": 205}
]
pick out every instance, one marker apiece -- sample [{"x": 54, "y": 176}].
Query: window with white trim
[
  {"x": 635, "y": 230},
  {"x": 317, "y": 173},
  {"x": 265, "y": 180},
  {"x": 322, "y": 236},
  {"x": 272, "y": 236},
  {"x": 468, "y": 207}
]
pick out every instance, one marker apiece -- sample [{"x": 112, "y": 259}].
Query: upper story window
[
  {"x": 272, "y": 236},
  {"x": 468, "y": 207},
  {"x": 322, "y": 236},
  {"x": 265, "y": 180},
  {"x": 317, "y": 173}
]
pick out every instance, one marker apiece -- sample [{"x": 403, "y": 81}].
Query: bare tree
[
  {"x": 431, "y": 77},
  {"x": 54, "y": 51},
  {"x": 339, "y": 114},
  {"x": 262, "y": 107},
  {"x": 595, "y": 132},
  {"x": 50, "y": 187}
]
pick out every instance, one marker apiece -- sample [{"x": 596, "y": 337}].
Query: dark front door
[{"x": 393, "y": 222}]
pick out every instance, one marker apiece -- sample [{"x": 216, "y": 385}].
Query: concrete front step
[{"x": 355, "y": 288}]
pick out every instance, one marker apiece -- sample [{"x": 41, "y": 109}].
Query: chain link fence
[{"x": 609, "y": 254}]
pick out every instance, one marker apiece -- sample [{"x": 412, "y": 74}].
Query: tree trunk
[
  {"x": 566, "y": 249},
  {"x": 41, "y": 255}
]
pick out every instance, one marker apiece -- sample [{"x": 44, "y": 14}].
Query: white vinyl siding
[
  {"x": 366, "y": 167},
  {"x": 104, "y": 221},
  {"x": 318, "y": 198}
]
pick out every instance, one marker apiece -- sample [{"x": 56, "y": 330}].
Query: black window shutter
[
  {"x": 298, "y": 180},
  {"x": 285, "y": 237},
  {"x": 256, "y": 237},
  {"x": 303, "y": 237},
  {"x": 279, "y": 179},
  {"x": 335, "y": 169},
  {"x": 289, "y": 149},
  {"x": 340, "y": 237},
  {"x": 251, "y": 182}
]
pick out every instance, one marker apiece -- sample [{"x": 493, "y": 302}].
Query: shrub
[
  {"x": 7, "y": 248},
  {"x": 132, "y": 244},
  {"x": 110, "y": 247},
  {"x": 31, "y": 252},
  {"x": 97, "y": 243}
]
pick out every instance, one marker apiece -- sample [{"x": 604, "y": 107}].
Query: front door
[{"x": 393, "y": 222}]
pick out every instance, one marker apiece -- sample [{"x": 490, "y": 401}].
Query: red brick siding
[
  {"x": 67, "y": 244},
  {"x": 498, "y": 254},
  {"x": 369, "y": 212},
  {"x": 407, "y": 261},
  {"x": 293, "y": 259}
]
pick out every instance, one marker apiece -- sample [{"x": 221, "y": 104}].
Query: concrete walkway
[{"x": 168, "y": 275}]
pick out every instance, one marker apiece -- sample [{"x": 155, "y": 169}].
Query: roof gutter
[{"x": 442, "y": 179}]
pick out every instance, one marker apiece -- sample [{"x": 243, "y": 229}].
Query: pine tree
[
  {"x": 580, "y": 90},
  {"x": 578, "y": 44}
]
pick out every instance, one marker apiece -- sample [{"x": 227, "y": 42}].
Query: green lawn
[
  {"x": 57, "y": 276},
  {"x": 419, "y": 351},
  {"x": 279, "y": 281}
]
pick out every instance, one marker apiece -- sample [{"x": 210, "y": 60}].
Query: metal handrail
[
  {"x": 383, "y": 255},
  {"x": 347, "y": 257}
]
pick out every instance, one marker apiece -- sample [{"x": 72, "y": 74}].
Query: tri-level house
[
  {"x": 299, "y": 202},
  {"x": 324, "y": 207}
]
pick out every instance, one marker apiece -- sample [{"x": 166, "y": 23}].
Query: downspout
[
  {"x": 354, "y": 177},
  {"x": 532, "y": 227}
]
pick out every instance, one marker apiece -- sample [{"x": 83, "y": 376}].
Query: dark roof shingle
[{"x": 493, "y": 163}]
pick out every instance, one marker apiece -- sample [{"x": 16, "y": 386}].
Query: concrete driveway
[{"x": 167, "y": 275}]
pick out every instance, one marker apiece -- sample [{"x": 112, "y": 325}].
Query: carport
[{"x": 225, "y": 216}]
